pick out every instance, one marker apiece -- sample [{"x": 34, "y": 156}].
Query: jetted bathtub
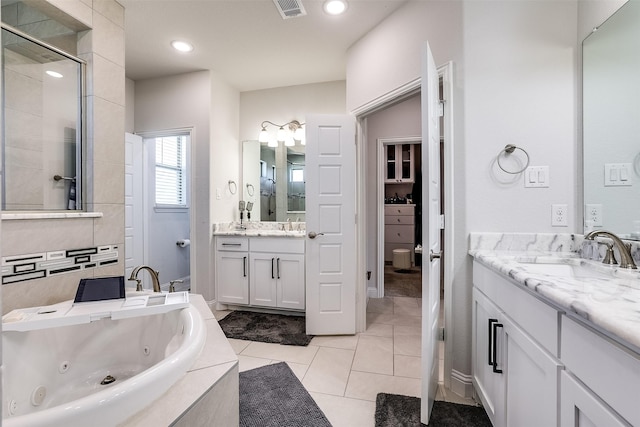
[{"x": 98, "y": 373}]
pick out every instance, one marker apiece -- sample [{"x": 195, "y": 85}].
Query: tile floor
[{"x": 345, "y": 373}]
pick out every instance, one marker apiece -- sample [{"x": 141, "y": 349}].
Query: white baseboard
[
  {"x": 461, "y": 384},
  {"x": 372, "y": 292}
]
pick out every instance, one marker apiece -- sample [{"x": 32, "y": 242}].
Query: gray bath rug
[
  {"x": 265, "y": 327},
  {"x": 393, "y": 410},
  {"x": 272, "y": 396}
]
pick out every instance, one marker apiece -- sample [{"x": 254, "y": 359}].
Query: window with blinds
[{"x": 170, "y": 171}]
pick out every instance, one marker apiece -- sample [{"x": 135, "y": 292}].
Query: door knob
[
  {"x": 313, "y": 234},
  {"x": 434, "y": 255}
]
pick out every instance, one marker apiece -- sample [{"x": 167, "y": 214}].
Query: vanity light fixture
[
  {"x": 55, "y": 74},
  {"x": 182, "y": 46},
  {"x": 288, "y": 133},
  {"x": 335, "y": 7}
]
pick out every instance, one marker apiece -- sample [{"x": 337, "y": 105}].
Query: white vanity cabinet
[
  {"x": 601, "y": 385},
  {"x": 276, "y": 273},
  {"x": 232, "y": 270},
  {"x": 260, "y": 272},
  {"x": 538, "y": 364},
  {"x": 515, "y": 375}
]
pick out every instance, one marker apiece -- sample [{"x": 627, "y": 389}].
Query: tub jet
[{"x": 107, "y": 380}]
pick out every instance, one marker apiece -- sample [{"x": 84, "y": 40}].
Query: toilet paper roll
[{"x": 184, "y": 242}]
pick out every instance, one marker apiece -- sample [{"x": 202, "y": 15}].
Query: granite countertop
[{"x": 611, "y": 302}]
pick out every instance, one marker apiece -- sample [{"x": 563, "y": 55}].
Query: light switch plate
[
  {"x": 536, "y": 177},
  {"x": 617, "y": 175}
]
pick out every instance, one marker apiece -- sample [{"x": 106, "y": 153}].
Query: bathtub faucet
[{"x": 154, "y": 278}]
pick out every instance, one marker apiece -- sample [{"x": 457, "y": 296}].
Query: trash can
[{"x": 402, "y": 259}]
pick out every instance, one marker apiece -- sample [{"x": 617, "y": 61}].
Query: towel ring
[
  {"x": 509, "y": 149},
  {"x": 250, "y": 190},
  {"x": 233, "y": 187}
]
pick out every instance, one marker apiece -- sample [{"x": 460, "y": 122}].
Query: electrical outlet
[
  {"x": 593, "y": 213},
  {"x": 559, "y": 216}
]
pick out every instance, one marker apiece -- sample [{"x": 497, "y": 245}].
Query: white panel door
[
  {"x": 331, "y": 235},
  {"x": 133, "y": 204},
  {"x": 430, "y": 223}
]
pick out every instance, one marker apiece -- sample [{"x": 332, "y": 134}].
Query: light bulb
[
  {"x": 272, "y": 143},
  {"x": 335, "y": 7},
  {"x": 299, "y": 134},
  {"x": 280, "y": 136},
  {"x": 181, "y": 46},
  {"x": 55, "y": 74},
  {"x": 264, "y": 136},
  {"x": 288, "y": 140}
]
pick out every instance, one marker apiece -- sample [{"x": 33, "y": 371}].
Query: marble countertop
[
  {"x": 261, "y": 229},
  {"x": 611, "y": 304}
]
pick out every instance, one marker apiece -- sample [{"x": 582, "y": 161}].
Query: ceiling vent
[{"x": 290, "y": 8}]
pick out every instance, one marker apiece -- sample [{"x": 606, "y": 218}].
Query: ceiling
[{"x": 246, "y": 42}]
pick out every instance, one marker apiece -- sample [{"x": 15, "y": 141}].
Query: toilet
[{"x": 402, "y": 259}]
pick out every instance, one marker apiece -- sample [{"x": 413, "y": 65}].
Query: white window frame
[{"x": 164, "y": 207}]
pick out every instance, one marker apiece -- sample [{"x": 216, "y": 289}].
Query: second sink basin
[{"x": 565, "y": 270}]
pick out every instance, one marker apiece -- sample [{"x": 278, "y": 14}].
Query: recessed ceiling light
[
  {"x": 55, "y": 74},
  {"x": 182, "y": 46},
  {"x": 335, "y": 7}
]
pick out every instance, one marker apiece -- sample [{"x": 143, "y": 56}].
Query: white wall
[
  {"x": 183, "y": 101},
  {"x": 281, "y": 105},
  {"x": 514, "y": 82}
]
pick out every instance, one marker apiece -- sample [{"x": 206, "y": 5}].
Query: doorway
[
  {"x": 373, "y": 285},
  {"x": 157, "y": 206}
]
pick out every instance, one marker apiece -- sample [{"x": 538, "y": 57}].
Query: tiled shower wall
[{"x": 103, "y": 48}]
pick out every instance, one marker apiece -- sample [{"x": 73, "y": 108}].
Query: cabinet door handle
[
  {"x": 232, "y": 244},
  {"x": 278, "y": 267},
  {"x": 490, "y": 341},
  {"x": 244, "y": 267},
  {"x": 495, "y": 348},
  {"x": 272, "y": 275}
]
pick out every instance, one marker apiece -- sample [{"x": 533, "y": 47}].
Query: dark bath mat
[
  {"x": 393, "y": 410},
  {"x": 265, "y": 327},
  {"x": 272, "y": 396}
]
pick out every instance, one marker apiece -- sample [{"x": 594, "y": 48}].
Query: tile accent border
[{"x": 19, "y": 268}]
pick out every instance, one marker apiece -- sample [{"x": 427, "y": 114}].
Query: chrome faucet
[
  {"x": 626, "y": 260},
  {"x": 154, "y": 278}
]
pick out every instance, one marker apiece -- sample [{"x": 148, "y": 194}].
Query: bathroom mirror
[
  {"x": 611, "y": 129},
  {"x": 42, "y": 107},
  {"x": 273, "y": 179}
]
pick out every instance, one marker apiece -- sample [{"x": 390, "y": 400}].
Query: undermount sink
[{"x": 564, "y": 270}]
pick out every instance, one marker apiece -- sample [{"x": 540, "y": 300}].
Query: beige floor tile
[
  {"x": 286, "y": 353},
  {"x": 238, "y": 345},
  {"x": 247, "y": 363},
  {"x": 348, "y": 342},
  {"x": 220, "y": 314},
  {"x": 407, "y": 366},
  {"x": 329, "y": 371},
  {"x": 299, "y": 369},
  {"x": 380, "y": 305},
  {"x": 345, "y": 412},
  {"x": 393, "y": 319},
  {"x": 379, "y": 329},
  {"x": 406, "y": 340},
  {"x": 405, "y": 302},
  {"x": 365, "y": 385},
  {"x": 374, "y": 354}
]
